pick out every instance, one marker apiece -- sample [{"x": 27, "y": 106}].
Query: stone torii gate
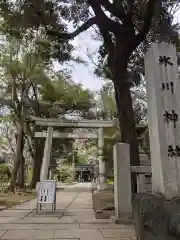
[{"x": 50, "y": 134}]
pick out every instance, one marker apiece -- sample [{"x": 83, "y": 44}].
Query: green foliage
[
  {"x": 64, "y": 172},
  {"x": 108, "y": 149},
  {"x": 67, "y": 97},
  {"x": 162, "y": 29},
  {"x": 31, "y": 87},
  {"x": 20, "y": 18},
  {"x": 22, "y": 70},
  {"x": 82, "y": 159},
  {"x": 92, "y": 150},
  {"x": 25, "y": 19},
  {"x": 45, "y": 93},
  {"x": 5, "y": 171},
  {"x": 106, "y": 105},
  {"x": 60, "y": 98},
  {"x": 106, "y": 110},
  {"x": 7, "y": 137}
]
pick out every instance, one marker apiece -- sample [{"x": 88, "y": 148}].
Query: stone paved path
[{"x": 74, "y": 219}]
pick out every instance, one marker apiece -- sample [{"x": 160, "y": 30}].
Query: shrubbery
[{"x": 5, "y": 171}]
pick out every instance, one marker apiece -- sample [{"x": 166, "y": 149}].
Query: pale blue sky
[
  {"x": 81, "y": 73},
  {"x": 84, "y": 74}
]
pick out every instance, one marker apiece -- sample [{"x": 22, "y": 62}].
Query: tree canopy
[{"x": 30, "y": 86}]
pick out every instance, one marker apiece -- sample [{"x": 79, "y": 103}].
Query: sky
[
  {"x": 84, "y": 74},
  {"x": 81, "y": 73}
]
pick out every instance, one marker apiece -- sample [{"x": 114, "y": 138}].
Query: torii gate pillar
[
  {"x": 102, "y": 164},
  {"x": 47, "y": 155}
]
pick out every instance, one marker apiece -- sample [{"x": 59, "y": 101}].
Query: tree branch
[
  {"x": 147, "y": 21},
  {"x": 100, "y": 18},
  {"x": 128, "y": 20},
  {"x": 103, "y": 22},
  {"x": 82, "y": 28},
  {"x": 110, "y": 46},
  {"x": 130, "y": 7},
  {"x": 117, "y": 11}
]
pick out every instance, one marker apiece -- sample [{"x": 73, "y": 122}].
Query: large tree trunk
[
  {"x": 19, "y": 150},
  {"x": 22, "y": 171},
  {"x": 126, "y": 114},
  {"x": 39, "y": 150}
]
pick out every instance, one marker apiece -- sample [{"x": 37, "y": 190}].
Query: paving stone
[
  {"x": 95, "y": 221},
  {"x": 118, "y": 233},
  {"x": 66, "y": 219},
  {"x": 74, "y": 219},
  {"x": 28, "y": 234},
  {"x": 37, "y": 226},
  {"x": 17, "y": 226},
  {"x": 2, "y": 232},
  {"x": 121, "y": 238},
  {"x": 9, "y": 219},
  {"x": 63, "y": 226},
  {"x": 104, "y": 226},
  {"x": 84, "y": 217},
  {"x": 69, "y": 213},
  {"x": 83, "y": 207},
  {"x": 57, "y": 213},
  {"x": 79, "y": 212},
  {"x": 14, "y": 213},
  {"x": 39, "y": 220},
  {"x": 27, "y": 205},
  {"x": 79, "y": 233}
]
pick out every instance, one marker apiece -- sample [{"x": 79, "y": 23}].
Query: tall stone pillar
[
  {"x": 47, "y": 155},
  {"x": 122, "y": 181},
  {"x": 102, "y": 164},
  {"x": 163, "y": 92}
]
